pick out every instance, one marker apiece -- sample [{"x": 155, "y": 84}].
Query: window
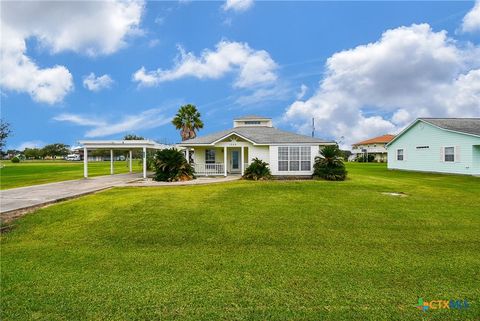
[
  {"x": 252, "y": 122},
  {"x": 400, "y": 154},
  {"x": 449, "y": 154},
  {"x": 283, "y": 158},
  {"x": 305, "y": 164},
  {"x": 210, "y": 156},
  {"x": 294, "y": 158}
]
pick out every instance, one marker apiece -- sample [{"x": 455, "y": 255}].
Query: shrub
[
  {"x": 257, "y": 170},
  {"x": 329, "y": 165},
  {"x": 361, "y": 158},
  {"x": 171, "y": 166},
  {"x": 15, "y": 160}
]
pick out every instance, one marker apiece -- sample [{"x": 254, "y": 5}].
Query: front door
[{"x": 235, "y": 161}]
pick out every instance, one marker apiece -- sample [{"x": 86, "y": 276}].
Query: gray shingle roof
[
  {"x": 463, "y": 125},
  {"x": 259, "y": 135}
]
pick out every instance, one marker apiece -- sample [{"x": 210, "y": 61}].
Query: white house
[
  {"x": 445, "y": 145},
  {"x": 376, "y": 146},
  {"x": 230, "y": 151}
]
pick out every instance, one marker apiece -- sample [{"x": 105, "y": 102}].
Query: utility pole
[{"x": 313, "y": 127}]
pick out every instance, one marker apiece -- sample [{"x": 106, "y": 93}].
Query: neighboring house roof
[
  {"x": 251, "y": 117},
  {"x": 258, "y": 135},
  {"x": 468, "y": 126},
  {"x": 377, "y": 140},
  {"x": 462, "y": 125}
]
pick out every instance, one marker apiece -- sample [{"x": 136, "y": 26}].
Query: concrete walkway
[
  {"x": 16, "y": 201},
  {"x": 199, "y": 181}
]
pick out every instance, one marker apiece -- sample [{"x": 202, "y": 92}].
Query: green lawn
[
  {"x": 311, "y": 250},
  {"x": 39, "y": 172}
]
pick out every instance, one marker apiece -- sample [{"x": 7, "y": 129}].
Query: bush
[
  {"x": 15, "y": 160},
  {"x": 361, "y": 158},
  {"x": 171, "y": 166},
  {"x": 257, "y": 170},
  {"x": 329, "y": 165}
]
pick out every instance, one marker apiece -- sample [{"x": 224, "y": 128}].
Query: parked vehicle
[{"x": 73, "y": 157}]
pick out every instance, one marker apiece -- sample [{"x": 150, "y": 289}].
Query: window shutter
[
  {"x": 457, "y": 154},
  {"x": 442, "y": 150}
]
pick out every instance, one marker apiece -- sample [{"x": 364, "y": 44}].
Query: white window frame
[
  {"x": 297, "y": 158},
  {"x": 403, "y": 154},
  {"x": 282, "y": 159},
  {"x": 445, "y": 154}
]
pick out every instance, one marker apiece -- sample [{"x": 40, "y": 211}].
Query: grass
[
  {"x": 28, "y": 173},
  {"x": 311, "y": 250}
]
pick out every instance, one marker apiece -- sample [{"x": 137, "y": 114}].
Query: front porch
[{"x": 218, "y": 161}]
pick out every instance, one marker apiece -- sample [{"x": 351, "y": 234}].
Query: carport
[{"x": 112, "y": 145}]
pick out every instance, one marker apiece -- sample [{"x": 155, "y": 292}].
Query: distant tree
[
  {"x": 5, "y": 131},
  {"x": 33, "y": 153},
  {"x": 346, "y": 154},
  {"x": 133, "y": 137},
  {"x": 54, "y": 150},
  {"x": 188, "y": 121}
]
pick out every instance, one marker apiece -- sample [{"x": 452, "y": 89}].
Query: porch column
[
  {"x": 144, "y": 162},
  {"x": 225, "y": 161},
  {"x": 187, "y": 155},
  {"x": 85, "y": 162},
  {"x": 111, "y": 161},
  {"x": 130, "y": 161},
  {"x": 242, "y": 159}
]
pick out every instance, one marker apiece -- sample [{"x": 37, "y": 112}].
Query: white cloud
[
  {"x": 302, "y": 92},
  {"x": 93, "y": 83},
  {"x": 253, "y": 67},
  {"x": 86, "y": 27},
  {"x": 471, "y": 21},
  {"x": 147, "y": 119},
  {"x": 410, "y": 72},
  {"x": 153, "y": 43},
  {"x": 30, "y": 144},
  {"x": 237, "y": 5}
]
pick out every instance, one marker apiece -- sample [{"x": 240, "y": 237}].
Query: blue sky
[{"x": 359, "y": 68}]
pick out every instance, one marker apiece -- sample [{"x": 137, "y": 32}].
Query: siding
[
  {"x": 260, "y": 152},
  {"x": 430, "y": 159}
]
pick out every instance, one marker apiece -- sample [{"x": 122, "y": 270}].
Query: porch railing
[{"x": 209, "y": 169}]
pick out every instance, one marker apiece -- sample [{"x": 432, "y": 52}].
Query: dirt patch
[{"x": 398, "y": 194}]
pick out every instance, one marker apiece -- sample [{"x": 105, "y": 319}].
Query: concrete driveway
[{"x": 16, "y": 201}]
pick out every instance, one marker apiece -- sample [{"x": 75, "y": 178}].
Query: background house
[
  {"x": 446, "y": 145},
  {"x": 374, "y": 146},
  {"x": 231, "y": 151}
]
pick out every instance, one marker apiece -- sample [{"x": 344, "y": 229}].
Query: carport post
[
  {"x": 85, "y": 162},
  {"x": 144, "y": 162},
  {"x": 130, "y": 161},
  {"x": 111, "y": 161}
]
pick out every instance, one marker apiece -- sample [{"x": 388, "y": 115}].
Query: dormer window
[{"x": 252, "y": 122}]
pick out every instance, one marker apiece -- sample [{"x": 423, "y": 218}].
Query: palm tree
[
  {"x": 329, "y": 165},
  {"x": 188, "y": 121}
]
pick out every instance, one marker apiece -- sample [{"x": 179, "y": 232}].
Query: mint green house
[{"x": 444, "y": 145}]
